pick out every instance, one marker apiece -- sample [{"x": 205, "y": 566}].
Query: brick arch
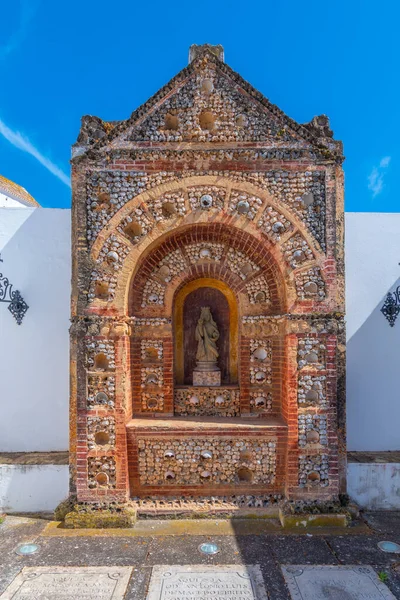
[{"x": 255, "y": 250}]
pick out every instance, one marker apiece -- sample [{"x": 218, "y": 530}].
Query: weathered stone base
[
  {"x": 207, "y": 378},
  {"x": 92, "y": 517}
]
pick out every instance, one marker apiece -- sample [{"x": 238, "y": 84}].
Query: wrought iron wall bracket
[
  {"x": 16, "y": 304},
  {"x": 391, "y": 306}
]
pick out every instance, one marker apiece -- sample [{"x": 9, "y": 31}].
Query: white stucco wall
[
  {"x": 373, "y": 358},
  {"x": 34, "y": 356},
  {"x": 32, "y": 488},
  {"x": 35, "y": 247}
]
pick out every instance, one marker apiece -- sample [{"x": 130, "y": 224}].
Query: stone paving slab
[
  {"x": 66, "y": 583},
  {"x": 350, "y": 582},
  {"x": 231, "y": 582}
]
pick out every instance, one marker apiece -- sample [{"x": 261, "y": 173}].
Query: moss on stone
[{"x": 84, "y": 517}]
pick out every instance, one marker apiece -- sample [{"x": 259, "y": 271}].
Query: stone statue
[{"x": 206, "y": 335}]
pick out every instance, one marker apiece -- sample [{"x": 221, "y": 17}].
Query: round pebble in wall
[
  {"x": 312, "y": 396},
  {"x": 102, "y": 438},
  {"x": 205, "y": 474},
  {"x": 243, "y": 207},
  {"x": 164, "y": 273},
  {"x": 260, "y": 402},
  {"x": 153, "y": 298},
  {"x": 169, "y": 454},
  {"x": 101, "y": 398},
  {"x": 206, "y": 454},
  {"x": 207, "y": 121},
  {"x": 260, "y": 354},
  {"x": 299, "y": 256},
  {"x": 152, "y": 403},
  {"x": 245, "y": 475},
  {"x": 206, "y": 201},
  {"x": 102, "y": 479},
  {"x": 246, "y": 269},
  {"x": 311, "y": 358},
  {"x": 260, "y": 297},
  {"x": 307, "y": 199},
  {"x": 207, "y": 86},
  {"x": 312, "y": 436},
  {"x": 205, "y": 253},
  {"x": 260, "y": 376},
  {"x": 171, "y": 122},
  {"x": 278, "y": 227},
  {"x": 311, "y": 288},
  {"x": 152, "y": 379},
  {"x": 168, "y": 209},
  {"x": 112, "y": 257},
  {"x": 194, "y": 400},
  {"x": 169, "y": 475},
  {"x": 241, "y": 121}
]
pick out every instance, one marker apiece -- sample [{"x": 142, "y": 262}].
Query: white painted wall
[
  {"x": 34, "y": 362},
  {"x": 34, "y": 356},
  {"x": 373, "y": 347},
  {"x": 374, "y": 486},
  {"x": 32, "y": 488}
]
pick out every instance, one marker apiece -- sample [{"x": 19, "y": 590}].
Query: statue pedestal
[{"x": 206, "y": 374}]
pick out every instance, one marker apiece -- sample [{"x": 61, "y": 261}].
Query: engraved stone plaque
[
  {"x": 69, "y": 583},
  {"x": 230, "y": 582},
  {"x": 306, "y": 582}
]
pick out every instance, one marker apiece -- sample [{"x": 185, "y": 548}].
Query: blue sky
[{"x": 61, "y": 60}]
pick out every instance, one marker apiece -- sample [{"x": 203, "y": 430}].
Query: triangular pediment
[{"x": 207, "y": 102}]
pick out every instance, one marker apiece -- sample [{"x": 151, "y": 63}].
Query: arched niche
[{"x": 187, "y": 308}]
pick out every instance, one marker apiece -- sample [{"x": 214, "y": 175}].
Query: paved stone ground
[{"x": 153, "y": 545}]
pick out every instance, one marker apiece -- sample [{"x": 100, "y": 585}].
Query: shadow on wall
[
  {"x": 373, "y": 383},
  {"x": 34, "y": 356}
]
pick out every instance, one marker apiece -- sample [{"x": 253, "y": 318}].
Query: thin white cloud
[
  {"x": 376, "y": 177},
  {"x": 28, "y": 8},
  {"x": 22, "y": 143}
]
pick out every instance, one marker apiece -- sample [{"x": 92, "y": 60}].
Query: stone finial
[
  {"x": 320, "y": 125},
  {"x": 196, "y": 49}
]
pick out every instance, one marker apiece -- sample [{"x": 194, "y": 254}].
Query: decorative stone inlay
[
  {"x": 273, "y": 223},
  {"x": 150, "y": 321},
  {"x": 315, "y": 582},
  {"x": 70, "y": 583},
  {"x": 238, "y": 582},
  {"x": 168, "y": 206},
  {"x": 135, "y": 226},
  {"x": 204, "y": 251},
  {"x": 151, "y": 350},
  {"x": 152, "y": 376},
  {"x": 206, "y": 197},
  {"x": 296, "y": 251},
  {"x": 101, "y": 432},
  {"x": 153, "y": 293},
  {"x": 312, "y": 430},
  {"x": 258, "y": 291},
  {"x": 223, "y": 402},
  {"x": 112, "y": 254},
  {"x": 244, "y": 204},
  {"x": 239, "y": 263},
  {"x": 101, "y": 391},
  {"x": 101, "y": 472},
  {"x": 313, "y": 470},
  {"x": 260, "y": 401},
  {"x": 170, "y": 266},
  {"x": 311, "y": 391},
  {"x": 255, "y": 457},
  {"x": 260, "y": 374},
  {"x": 309, "y": 284},
  {"x": 100, "y": 355},
  {"x": 311, "y": 353},
  {"x": 260, "y": 351},
  {"x": 152, "y": 402}
]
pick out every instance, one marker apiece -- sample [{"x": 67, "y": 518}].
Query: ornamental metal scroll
[
  {"x": 391, "y": 306},
  {"x": 17, "y": 305}
]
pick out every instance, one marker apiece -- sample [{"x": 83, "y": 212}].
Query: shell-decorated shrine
[{"x": 207, "y": 337}]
